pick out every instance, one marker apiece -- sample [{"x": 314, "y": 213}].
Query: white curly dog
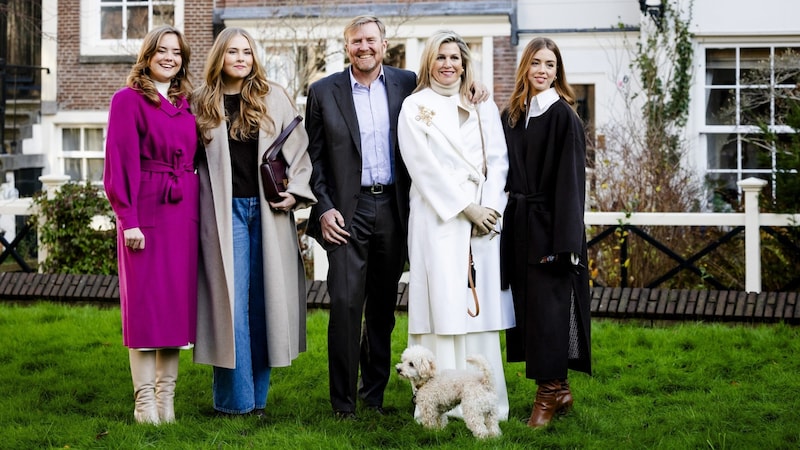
[{"x": 438, "y": 392}]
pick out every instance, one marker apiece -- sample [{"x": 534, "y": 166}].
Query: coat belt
[
  {"x": 515, "y": 252},
  {"x": 174, "y": 191}
]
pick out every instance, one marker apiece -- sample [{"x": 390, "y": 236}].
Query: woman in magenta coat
[{"x": 150, "y": 181}]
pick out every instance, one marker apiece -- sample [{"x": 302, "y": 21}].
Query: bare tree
[
  {"x": 642, "y": 164},
  {"x": 300, "y": 37}
]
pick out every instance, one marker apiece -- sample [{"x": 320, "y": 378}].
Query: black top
[{"x": 244, "y": 154}]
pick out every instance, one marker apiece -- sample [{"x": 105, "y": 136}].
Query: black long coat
[{"x": 544, "y": 216}]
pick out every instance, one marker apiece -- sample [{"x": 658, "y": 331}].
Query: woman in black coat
[{"x": 544, "y": 239}]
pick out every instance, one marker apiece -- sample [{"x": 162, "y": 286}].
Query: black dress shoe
[
  {"x": 345, "y": 415},
  {"x": 380, "y": 410}
]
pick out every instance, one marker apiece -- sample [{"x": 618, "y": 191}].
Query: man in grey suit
[{"x": 361, "y": 215}]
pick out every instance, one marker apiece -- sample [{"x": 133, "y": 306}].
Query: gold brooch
[{"x": 425, "y": 115}]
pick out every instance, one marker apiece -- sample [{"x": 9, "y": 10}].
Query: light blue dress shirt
[{"x": 372, "y": 109}]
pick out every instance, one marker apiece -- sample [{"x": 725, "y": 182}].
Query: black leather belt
[{"x": 377, "y": 189}]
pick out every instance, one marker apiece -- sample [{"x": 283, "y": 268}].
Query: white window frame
[
  {"x": 93, "y": 45},
  {"x": 739, "y": 129},
  {"x": 83, "y": 155}
]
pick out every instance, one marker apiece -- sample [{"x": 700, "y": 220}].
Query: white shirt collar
[
  {"x": 354, "y": 82},
  {"x": 541, "y": 102}
]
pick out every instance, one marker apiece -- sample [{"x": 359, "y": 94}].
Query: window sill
[{"x": 107, "y": 59}]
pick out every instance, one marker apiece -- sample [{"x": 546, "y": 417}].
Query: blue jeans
[{"x": 243, "y": 389}]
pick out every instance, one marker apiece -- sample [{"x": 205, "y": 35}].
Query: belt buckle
[{"x": 376, "y": 189}]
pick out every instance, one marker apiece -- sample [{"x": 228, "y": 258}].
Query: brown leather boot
[
  {"x": 552, "y": 397},
  {"x": 564, "y": 397}
]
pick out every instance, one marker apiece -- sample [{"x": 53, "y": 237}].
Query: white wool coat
[
  {"x": 284, "y": 276},
  {"x": 445, "y": 160}
]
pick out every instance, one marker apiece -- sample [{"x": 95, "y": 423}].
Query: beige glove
[{"x": 483, "y": 218}]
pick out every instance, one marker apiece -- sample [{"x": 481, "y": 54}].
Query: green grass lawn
[{"x": 65, "y": 383}]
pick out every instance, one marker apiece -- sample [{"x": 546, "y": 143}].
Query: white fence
[{"x": 751, "y": 219}]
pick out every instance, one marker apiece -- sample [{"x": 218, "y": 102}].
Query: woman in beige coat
[{"x": 252, "y": 295}]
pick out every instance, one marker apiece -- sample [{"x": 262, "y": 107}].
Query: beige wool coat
[{"x": 284, "y": 277}]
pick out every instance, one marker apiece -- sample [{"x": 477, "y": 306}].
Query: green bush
[{"x": 65, "y": 230}]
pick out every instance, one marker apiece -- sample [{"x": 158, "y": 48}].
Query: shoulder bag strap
[{"x": 272, "y": 151}]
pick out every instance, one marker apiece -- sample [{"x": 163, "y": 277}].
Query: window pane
[
  {"x": 395, "y": 56},
  {"x": 755, "y": 107},
  {"x": 111, "y": 23},
  {"x": 72, "y": 167},
  {"x": 785, "y": 100},
  {"x": 71, "y": 139},
  {"x": 94, "y": 140},
  {"x": 755, "y": 66},
  {"x": 786, "y": 153},
  {"x": 720, "y": 66},
  {"x": 722, "y": 152},
  {"x": 137, "y": 22},
  {"x": 721, "y": 107},
  {"x": 311, "y": 62},
  {"x": 724, "y": 191},
  {"x": 787, "y": 66},
  {"x": 95, "y": 169},
  {"x": 163, "y": 15},
  {"x": 756, "y": 152}
]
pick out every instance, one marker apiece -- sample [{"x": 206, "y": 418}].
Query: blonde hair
[
  {"x": 139, "y": 77},
  {"x": 360, "y": 21},
  {"x": 431, "y": 52},
  {"x": 208, "y": 99},
  {"x": 523, "y": 90}
]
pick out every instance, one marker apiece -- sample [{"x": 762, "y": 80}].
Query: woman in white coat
[{"x": 457, "y": 158}]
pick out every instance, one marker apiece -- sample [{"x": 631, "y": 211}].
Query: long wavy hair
[
  {"x": 208, "y": 99},
  {"x": 430, "y": 53},
  {"x": 139, "y": 77},
  {"x": 523, "y": 89}
]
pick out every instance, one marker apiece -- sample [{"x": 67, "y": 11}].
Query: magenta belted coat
[{"x": 149, "y": 179}]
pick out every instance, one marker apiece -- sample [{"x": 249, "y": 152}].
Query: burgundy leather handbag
[{"x": 273, "y": 165}]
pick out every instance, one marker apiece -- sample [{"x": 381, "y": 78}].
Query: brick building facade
[{"x": 87, "y": 67}]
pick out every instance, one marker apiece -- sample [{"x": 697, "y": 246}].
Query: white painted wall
[
  {"x": 745, "y": 17},
  {"x": 576, "y": 14}
]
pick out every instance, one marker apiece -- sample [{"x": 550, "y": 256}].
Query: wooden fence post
[{"x": 752, "y": 233}]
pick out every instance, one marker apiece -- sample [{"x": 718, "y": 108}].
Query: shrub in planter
[{"x": 77, "y": 226}]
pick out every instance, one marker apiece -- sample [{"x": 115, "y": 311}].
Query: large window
[
  {"x": 747, "y": 91},
  {"x": 117, "y": 27},
  {"x": 82, "y": 151},
  {"x": 131, "y": 19}
]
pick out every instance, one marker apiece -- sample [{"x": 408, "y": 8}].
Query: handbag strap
[
  {"x": 472, "y": 287},
  {"x": 483, "y": 144},
  {"x": 471, "y": 262},
  {"x": 272, "y": 151}
]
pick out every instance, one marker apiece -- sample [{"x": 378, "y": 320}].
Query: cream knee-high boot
[
  {"x": 143, "y": 373},
  {"x": 166, "y": 376}
]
